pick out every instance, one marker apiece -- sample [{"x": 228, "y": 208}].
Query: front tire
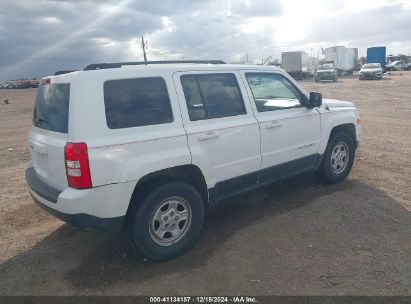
[
  {"x": 338, "y": 158},
  {"x": 168, "y": 221}
]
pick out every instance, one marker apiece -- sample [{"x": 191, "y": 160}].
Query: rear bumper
[
  {"x": 41, "y": 188},
  {"x": 111, "y": 225},
  {"x": 102, "y": 208}
]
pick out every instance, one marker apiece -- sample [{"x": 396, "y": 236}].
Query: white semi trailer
[
  {"x": 345, "y": 59},
  {"x": 295, "y": 64},
  {"x": 312, "y": 66}
]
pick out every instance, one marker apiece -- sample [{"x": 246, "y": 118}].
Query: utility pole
[{"x": 144, "y": 46}]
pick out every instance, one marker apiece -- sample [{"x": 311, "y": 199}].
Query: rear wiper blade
[{"x": 40, "y": 121}]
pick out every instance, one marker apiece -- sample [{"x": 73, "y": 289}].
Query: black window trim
[
  {"x": 201, "y": 93},
  {"x": 131, "y": 78},
  {"x": 303, "y": 100}
]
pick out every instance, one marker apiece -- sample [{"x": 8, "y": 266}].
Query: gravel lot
[{"x": 299, "y": 237}]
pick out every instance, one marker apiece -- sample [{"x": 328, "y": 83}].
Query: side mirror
[{"x": 316, "y": 100}]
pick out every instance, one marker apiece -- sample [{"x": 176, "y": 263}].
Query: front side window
[
  {"x": 136, "y": 102},
  {"x": 273, "y": 92},
  {"x": 212, "y": 96}
]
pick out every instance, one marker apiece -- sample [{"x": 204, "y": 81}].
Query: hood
[
  {"x": 333, "y": 103},
  {"x": 373, "y": 70}
]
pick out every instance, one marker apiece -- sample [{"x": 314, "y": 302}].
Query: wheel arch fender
[
  {"x": 187, "y": 173},
  {"x": 344, "y": 121}
]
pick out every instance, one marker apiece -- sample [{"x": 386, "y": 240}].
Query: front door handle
[
  {"x": 207, "y": 136},
  {"x": 272, "y": 125}
]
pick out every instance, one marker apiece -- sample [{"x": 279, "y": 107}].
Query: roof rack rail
[
  {"x": 98, "y": 66},
  {"x": 63, "y": 72}
]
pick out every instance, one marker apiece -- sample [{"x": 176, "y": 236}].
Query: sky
[{"x": 39, "y": 37}]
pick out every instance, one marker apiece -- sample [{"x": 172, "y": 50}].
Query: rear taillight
[
  {"x": 45, "y": 81},
  {"x": 77, "y": 166}
]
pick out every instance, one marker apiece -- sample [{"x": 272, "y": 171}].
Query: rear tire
[
  {"x": 168, "y": 221},
  {"x": 338, "y": 158}
]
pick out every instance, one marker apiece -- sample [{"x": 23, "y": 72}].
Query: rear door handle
[
  {"x": 207, "y": 136},
  {"x": 272, "y": 125}
]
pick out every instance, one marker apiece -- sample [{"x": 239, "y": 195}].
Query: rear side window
[
  {"x": 51, "y": 109},
  {"x": 212, "y": 96},
  {"x": 136, "y": 102}
]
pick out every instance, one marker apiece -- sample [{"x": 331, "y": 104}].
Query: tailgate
[
  {"x": 49, "y": 133},
  {"x": 47, "y": 155}
]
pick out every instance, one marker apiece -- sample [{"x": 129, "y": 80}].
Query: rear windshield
[{"x": 51, "y": 109}]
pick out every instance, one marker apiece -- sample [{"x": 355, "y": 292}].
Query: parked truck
[
  {"x": 295, "y": 64},
  {"x": 345, "y": 59},
  {"x": 352, "y": 57},
  {"x": 312, "y": 66},
  {"x": 376, "y": 55}
]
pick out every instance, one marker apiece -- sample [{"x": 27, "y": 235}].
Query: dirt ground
[{"x": 299, "y": 237}]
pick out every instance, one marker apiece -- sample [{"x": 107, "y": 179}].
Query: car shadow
[
  {"x": 85, "y": 260},
  {"x": 330, "y": 81}
]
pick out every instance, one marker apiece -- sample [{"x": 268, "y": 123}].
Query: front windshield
[
  {"x": 325, "y": 67},
  {"x": 371, "y": 66}
]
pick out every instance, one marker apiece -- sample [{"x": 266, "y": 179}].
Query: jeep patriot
[{"x": 147, "y": 148}]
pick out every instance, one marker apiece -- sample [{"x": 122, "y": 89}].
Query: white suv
[{"x": 148, "y": 148}]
